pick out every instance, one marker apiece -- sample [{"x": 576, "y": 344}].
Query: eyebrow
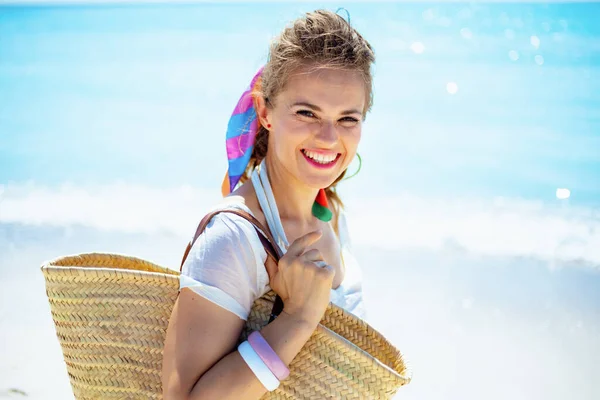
[{"x": 318, "y": 109}]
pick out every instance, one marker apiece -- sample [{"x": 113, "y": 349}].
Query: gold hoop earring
[{"x": 359, "y": 167}]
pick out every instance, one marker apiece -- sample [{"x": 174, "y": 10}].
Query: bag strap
[{"x": 265, "y": 236}]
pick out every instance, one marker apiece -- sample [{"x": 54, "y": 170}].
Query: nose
[{"x": 327, "y": 134}]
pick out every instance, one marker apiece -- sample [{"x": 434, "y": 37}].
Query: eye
[
  {"x": 349, "y": 120},
  {"x": 306, "y": 113}
]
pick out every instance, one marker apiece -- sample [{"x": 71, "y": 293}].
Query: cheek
[
  {"x": 292, "y": 133},
  {"x": 289, "y": 136},
  {"x": 351, "y": 138},
  {"x": 350, "y": 141}
]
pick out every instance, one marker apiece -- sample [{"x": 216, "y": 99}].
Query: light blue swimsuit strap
[
  {"x": 264, "y": 178},
  {"x": 267, "y": 203}
]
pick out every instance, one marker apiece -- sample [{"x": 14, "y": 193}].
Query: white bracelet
[{"x": 260, "y": 369}]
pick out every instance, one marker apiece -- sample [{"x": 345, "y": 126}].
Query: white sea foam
[{"x": 494, "y": 227}]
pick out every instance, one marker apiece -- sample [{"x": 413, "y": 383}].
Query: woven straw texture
[{"x": 111, "y": 314}]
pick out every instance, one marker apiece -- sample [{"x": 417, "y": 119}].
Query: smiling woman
[{"x": 290, "y": 140}]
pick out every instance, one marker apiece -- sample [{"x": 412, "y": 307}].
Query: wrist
[
  {"x": 301, "y": 318},
  {"x": 287, "y": 334}
]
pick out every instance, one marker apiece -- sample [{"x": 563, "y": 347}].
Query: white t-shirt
[{"x": 226, "y": 265}]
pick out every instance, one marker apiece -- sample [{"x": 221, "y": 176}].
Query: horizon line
[{"x": 190, "y": 2}]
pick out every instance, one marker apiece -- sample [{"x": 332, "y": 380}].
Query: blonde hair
[{"x": 321, "y": 39}]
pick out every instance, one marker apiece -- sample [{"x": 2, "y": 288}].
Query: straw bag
[{"x": 111, "y": 314}]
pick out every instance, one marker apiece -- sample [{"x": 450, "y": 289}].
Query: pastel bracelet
[
  {"x": 268, "y": 355},
  {"x": 260, "y": 369}
]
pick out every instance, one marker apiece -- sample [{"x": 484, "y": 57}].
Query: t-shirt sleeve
[{"x": 226, "y": 265}]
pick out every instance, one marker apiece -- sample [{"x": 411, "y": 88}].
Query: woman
[{"x": 309, "y": 101}]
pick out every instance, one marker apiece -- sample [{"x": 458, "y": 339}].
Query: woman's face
[{"x": 316, "y": 124}]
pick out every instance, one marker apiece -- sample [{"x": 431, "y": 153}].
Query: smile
[{"x": 321, "y": 159}]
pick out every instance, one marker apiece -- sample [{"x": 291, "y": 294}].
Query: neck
[{"x": 294, "y": 199}]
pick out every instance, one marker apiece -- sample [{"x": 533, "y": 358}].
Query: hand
[{"x": 303, "y": 280}]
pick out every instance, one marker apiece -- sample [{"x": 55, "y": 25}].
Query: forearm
[{"x": 231, "y": 378}]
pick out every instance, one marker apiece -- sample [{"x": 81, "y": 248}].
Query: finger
[
  {"x": 316, "y": 265},
  {"x": 328, "y": 272},
  {"x": 300, "y": 244},
  {"x": 271, "y": 267},
  {"x": 312, "y": 255}
]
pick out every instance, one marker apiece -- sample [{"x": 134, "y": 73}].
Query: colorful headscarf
[{"x": 241, "y": 134}]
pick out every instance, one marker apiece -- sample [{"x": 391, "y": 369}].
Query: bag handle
[{"x": 264, "y": 235}]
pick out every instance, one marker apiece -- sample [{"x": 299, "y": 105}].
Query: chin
[{"x": 319, "y": 181}]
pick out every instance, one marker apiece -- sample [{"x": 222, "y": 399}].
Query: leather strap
[{"x": 264, "y": 235}]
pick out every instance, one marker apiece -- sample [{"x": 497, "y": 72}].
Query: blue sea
[{"x": 475, "y": 215}]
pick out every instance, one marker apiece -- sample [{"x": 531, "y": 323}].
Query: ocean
[{"x": 475, "y": 216}]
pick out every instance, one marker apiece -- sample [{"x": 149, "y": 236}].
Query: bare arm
[
  {"x": 200, "y": 356},
  {"x": 200, "y": 359}
]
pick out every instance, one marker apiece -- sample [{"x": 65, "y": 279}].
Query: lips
[{"x": 321, "y": 159}]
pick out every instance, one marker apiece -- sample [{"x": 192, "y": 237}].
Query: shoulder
[
  {"x": 245, "y": 196},
  {"x": 226, "y": 238},
  {"x": 226, "y": 264},
  {"x": 227, "y": 233}
]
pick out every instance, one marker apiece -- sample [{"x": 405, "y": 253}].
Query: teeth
[{"x": 320, "y": 158}]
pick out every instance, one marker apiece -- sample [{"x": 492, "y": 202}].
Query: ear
[{"x": 262, "y": 111}]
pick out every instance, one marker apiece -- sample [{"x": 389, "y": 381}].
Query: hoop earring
[{"x": 358, "y": 170}]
